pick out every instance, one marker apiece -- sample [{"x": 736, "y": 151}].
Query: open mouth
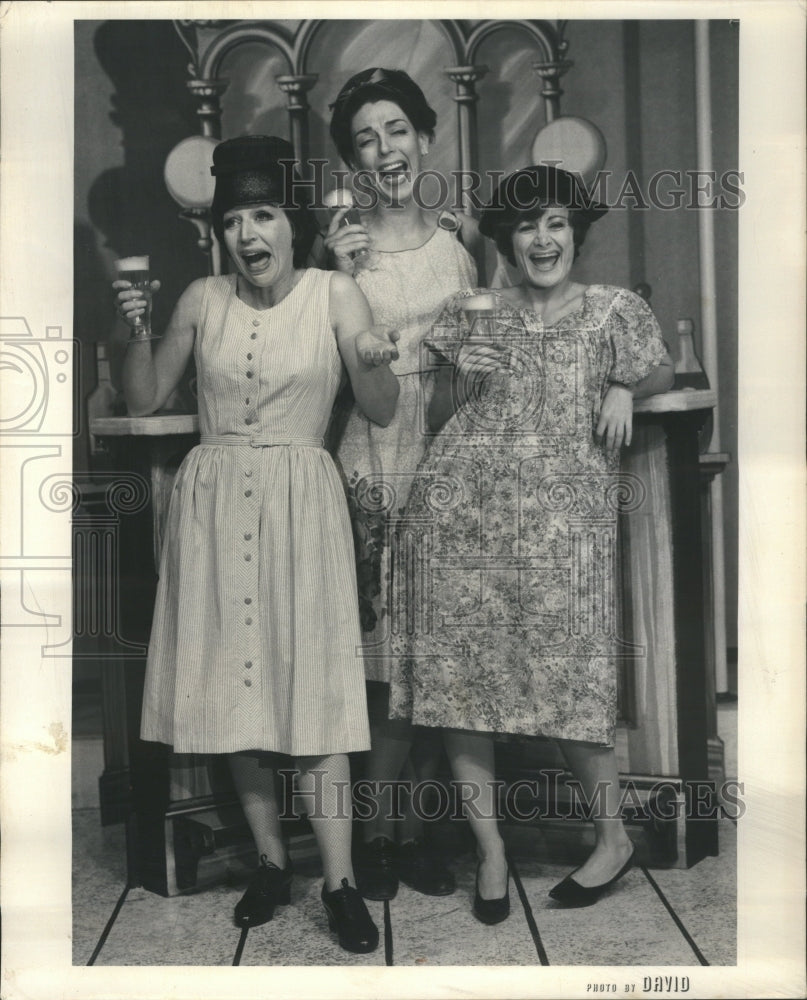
[
  {"x": 256, "y": 261},
  {"x": 544, "y": 261},
  {"x": 393, "y": 172}
]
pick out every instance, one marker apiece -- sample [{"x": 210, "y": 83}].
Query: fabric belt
[{"x": 261, "y": 441}]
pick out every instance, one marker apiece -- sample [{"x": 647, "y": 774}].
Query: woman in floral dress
[{"x": 518, "y": 496}]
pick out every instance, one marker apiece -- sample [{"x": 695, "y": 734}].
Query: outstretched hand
[
  {"x": 376, "y": 346},
  {"x": 615, "y": 426},
  {"x": 129, "y": 302}
]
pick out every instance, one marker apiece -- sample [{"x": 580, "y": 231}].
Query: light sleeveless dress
[
  {"x": 406, "y": 289},
  {"x": 255, "y": 643}
]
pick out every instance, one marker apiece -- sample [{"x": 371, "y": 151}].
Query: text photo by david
[{"x": 405, "y": 528}]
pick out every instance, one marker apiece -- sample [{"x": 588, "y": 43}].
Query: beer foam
[
  {"x": 132, "y": 264},
  {"x": 474, "y": 303},
  {"x": 338, "y": 198}
]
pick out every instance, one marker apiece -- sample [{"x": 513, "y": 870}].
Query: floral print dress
[{"x": 506, "y": 555}]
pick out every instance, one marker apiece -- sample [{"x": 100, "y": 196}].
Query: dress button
[
  {"x": 249, "y": 357},
  {"x": 249, "y": 374},
  {"x": 248, "y": 664},
  {"x": 253, "y": 336},
  {"x": 247, "y": 493},
  {"x": 247, "y": 621},
  {"x": 256, "y": 322},
  {"x": 247, "y": 600},
  {"x": 247, "y": 557},
  {"x": 248, "y": 421},
  {"x": 248, "y": 472},
  {"x": 248, "y": 537},
  {"x": 246, "y": 401},
  {"x": 248, "y": 683}
]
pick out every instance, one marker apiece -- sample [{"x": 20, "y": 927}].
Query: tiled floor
[{"x": 670, "y": 917}]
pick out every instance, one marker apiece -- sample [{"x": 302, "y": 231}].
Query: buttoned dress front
[{"x": 255, "y": 642}]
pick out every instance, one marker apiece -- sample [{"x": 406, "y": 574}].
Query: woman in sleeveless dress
[
  {"x": 407, "y": 261},
  {"x": 255, "y": 632}
]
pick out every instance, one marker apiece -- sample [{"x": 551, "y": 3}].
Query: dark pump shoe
[
  {"x": 571, "y": 894},
  {"x": 269, "y": 887},
  {"x": 423, "y": 871},
  {"x": 348, "y": 917},
  {"x": 376, "y": 870},
  {"x": 492, "y": 911}
]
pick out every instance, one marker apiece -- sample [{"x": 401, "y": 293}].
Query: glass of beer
[
  {"x": 480, "y": 313},
  {"x": 135, "y": 270},
  {"x": 341, "y": 198}
]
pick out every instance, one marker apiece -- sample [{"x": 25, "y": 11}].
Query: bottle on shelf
[{"x": 689, "y": 373}]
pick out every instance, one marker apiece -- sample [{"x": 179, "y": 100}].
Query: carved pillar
[
  {"x": 296, "y": 90},
  {"x": 465, "y": 79},
  {"x": 550, "y": 73},
  {"x": 208, "y": 94}
]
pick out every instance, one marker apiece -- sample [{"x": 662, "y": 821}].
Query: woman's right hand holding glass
[
  {"x": 479, "y": 359},
  {"x": 129, "y": 302},
  {"x": 343, "y": 241}
]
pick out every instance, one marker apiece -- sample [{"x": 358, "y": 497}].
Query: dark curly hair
[
  {"x": 259, "y": 169},
  {"x": 377, "y": 84},
  {"x": 526, "y": 194}
]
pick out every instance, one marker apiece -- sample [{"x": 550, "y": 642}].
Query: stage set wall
[{"x": 634, "y": 79}]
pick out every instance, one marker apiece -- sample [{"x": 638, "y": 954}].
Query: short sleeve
[{"x": 636, "y": 343}]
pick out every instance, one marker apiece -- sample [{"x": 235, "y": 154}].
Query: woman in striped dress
[{"x": 254, "y": 643}]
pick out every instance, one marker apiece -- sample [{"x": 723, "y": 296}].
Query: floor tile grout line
[
  {"x": 676, "y": 919},
  {"x": 239, "y": 951},
  {"x": 387, "y": 934},
  {"x": 525, "y": 904},
  {"x": 109, "y": 924}
]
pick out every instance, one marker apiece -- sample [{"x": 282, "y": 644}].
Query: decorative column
[
  {"x": 465, "y": 78},
  {"x": 550, "y": 73},
  {"x": 708, "y": 296},
  {"x": 208, "y": 94},
  {"x": 296, "y": 90}
]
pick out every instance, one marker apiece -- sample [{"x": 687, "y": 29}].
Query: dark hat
[
  {"x": 253, "y": 169},
  {"x": 535, "y": 187},
  {"x": 256, "y": 170}
]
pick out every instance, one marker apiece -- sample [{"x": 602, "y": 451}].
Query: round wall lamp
[
  {"x": 191, "y": 185},
  {"x": 573, "y": 144}
]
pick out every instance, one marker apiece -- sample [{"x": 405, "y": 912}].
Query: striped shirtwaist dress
[{"x": 255, "y": 642}]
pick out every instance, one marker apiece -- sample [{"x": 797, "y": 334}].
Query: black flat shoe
[
  {"x": 423, "y": 871},
  {"x": 348, "y": 917},
  {"x": 492, "y": 911},
  {"x": 571, "y": 893},
  {"x": 269, "y": 887},
  {"x": 376, "y": 874}
]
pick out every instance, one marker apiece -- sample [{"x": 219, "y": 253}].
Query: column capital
[
  {"x": 466, "y": 78},
  {"x": 207, "y": 93},
  {"x": 550, "y": 73},
  {"x": 296, "y": 87},
  {"x": 205, "y": 89}
]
